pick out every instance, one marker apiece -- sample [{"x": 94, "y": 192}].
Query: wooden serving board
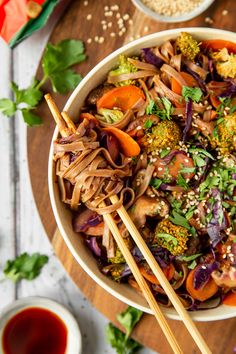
[{"x": 220, "y": 335}]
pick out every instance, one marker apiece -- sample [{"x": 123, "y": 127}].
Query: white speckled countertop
[{"x": 20, "y": 226}]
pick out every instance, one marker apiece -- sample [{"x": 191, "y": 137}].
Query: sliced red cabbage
[
  {"x": 218, "y": 221},
  {"x": 93, "y": 245},
  {"x": 83, "y": 220},
  {"x": 200, "y": 82},
  {"x": 172, "y": 154},
  {"x": 151, "y": 58},
  {"x": 231, "y": 89},
  {"x": 110, "y": 142},
  {"x": 202, "y": 274},
  {"x": 189, "y": 117}
]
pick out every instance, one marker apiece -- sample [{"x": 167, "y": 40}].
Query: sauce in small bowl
[{"x": 38, "y": 326}]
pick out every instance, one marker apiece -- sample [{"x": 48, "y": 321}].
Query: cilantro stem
[{"x": 44, "y": 79}]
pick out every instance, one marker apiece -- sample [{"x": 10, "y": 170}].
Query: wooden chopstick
[
  {"x": 156, "y": 269},
  {"x": 65, "y": 131},
  {"x": 142, "y": 283}
]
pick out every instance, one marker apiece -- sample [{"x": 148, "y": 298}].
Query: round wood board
[{"x": 74, "y": 24}]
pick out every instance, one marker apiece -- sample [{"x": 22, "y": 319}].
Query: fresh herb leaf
[
  {"x": 193, "y": 93},
  {"x": 25, "y": 266},
  {"x": 162, "y": 113},
  {"x": 164, "y": 153},
  {"x": 155, "y": 182},
  {"x": 190, "y": 258},
  {"x": 181, "y": 181},
  {"x": 31, "y": 96},
  {"x": 119, "y": 342},
  {"x": 30, "y": 118},
  {"x": 192, "y": 265},
  {"x": 201, "y": 152},
  {"x": 180, "y": 220},
  {"x": 129, "y": 318},
  {"x": 65, "y": 81},
  {"x": 148, "y": 124},
  {"x": 168, "y": 238},
  {"x": 57, "y": 58},
  {"x": 187, "y": 170},
  {"x": 7, "y": 107},
  {"x": 198, "y": 161}
]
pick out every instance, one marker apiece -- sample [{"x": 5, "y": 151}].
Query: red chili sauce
[{"x": 35, "y": 331}]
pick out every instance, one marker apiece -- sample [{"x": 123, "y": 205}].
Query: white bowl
[
  {"x": 185, "y": 17},
  {"x": 74, "y": 339},
  {"x": 62, "y": 214}
]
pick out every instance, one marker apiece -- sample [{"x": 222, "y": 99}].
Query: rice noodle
[{"x": 114, "y": 79}]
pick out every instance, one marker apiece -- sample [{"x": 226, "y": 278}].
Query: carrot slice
[
  {"x": 128, "y": 145},
  {"x": 124, "y": 97},
  {"x": 230, "y": 299},
  {"x": 145, "y": 270},
  {"x": 190, "y": 81},
  {"x": 214, "y": 101},
  {"x": 217, "y": 44},
  {"x": 204, "y": 293},
  {"x": 178, "y": 163}
]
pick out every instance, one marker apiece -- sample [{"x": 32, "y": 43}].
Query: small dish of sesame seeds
[{"x": 172, "y": 10}]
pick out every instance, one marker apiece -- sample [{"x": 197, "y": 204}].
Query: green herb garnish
[
  {"x": 162, "y": 113},
  {"x": 180, "y": 220},
  {"x": 168, "y": 238},
  {"x": 193, "y": 93},
  {"x": 56, "y": 63},
  {"x": 148, "y": 124},
  {"x": 181, "y": 181},
  {"x": 25, "y": 266},
  {"x": 156, "y": 182},
  {"x": 120, "y": 341}
]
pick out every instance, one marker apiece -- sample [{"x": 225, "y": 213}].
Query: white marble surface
[{"x": 20, "y": 226}]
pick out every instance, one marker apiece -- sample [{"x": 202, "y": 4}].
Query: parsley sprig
[
  {"x": 192, "y": 93},
  {"x": 56, "y": 63}
]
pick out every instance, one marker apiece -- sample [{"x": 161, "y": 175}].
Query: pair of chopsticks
[{"x": 65, "y": 125}]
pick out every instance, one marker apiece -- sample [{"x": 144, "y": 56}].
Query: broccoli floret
[
  {"x": 187, "y": 45},
  {"x": 125, "y": 67},
  {"x": 118, "y": 259},
  {"x": 166, "y": 134},
  {"x": 225, "y": 134},
  {"x": 172, "y": 237},
  {"x": 225, "y": 63},
  {"x": 109, "y": 115}
]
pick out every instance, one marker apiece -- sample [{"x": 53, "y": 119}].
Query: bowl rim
[
  {"x": 172, "y": 19},
  {"x": 196, "y": 315},
  {"x": 74, "y": 341}
]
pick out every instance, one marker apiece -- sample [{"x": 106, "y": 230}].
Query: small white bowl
[
  {"x": 74, "y": 339},
  {"x": 62, "y": 213},
  {"x": 185, "y": 17}
]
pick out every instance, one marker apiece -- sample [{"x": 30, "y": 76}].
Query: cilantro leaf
[
  {"x": 190, "y": 258},
  {"x": 30, "y": 118},
  {"x": 31, "y": 95},
  {"x": 162, "y": 113},
  {"x": 155, "y": 182},
  {"x": 168, "y": 238},
  {"x": 181, "y": 181},
  {"x": 180, "y": 220},
  {"x": 193, "y": 93},
  {"x": 129, "y": 318},
  {"x": 7, "y": 107},
  {"x": 164, "y": 153},
  {"x": 65, "y": 81},
  {"x": 192, "y": 265},
  {"x": 61, "y": 56},
  {"x": 118, "y": 341},
  {"x": 148, "y": 124},
  {"x": 25, "y": 266}
]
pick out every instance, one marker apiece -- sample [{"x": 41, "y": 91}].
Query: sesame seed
[
  {"x": 126, "y": 17},
  {"x": 203, "y": 267},
  {"x": 109, "y": 25},
  {"x": 186, "y": 160},
  {"x": 225, "y": 12},
  {"x": 160, "y": 168},
  {"x": 146, "y": 29},
  {"x": 209, "y": 20},
  {"x": 130, "y": 22},
  {"x": 112, "y": 34},
  {"x": 85, "y": 3},
  {"x": 89, "y": 17},
  {"x": 89, "y": 40},
  {"x": 96, "y": 38},
  {"x": 104, "y": 27},
  {"x": 101, "y": 40},
  {"x": 106, "y": 8},
  {"x": 120, "y": 33},
  {"x": 118, "y": 15},
  {"x": 115, "y": 7},
  {"x": 138, "y": 36}
]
